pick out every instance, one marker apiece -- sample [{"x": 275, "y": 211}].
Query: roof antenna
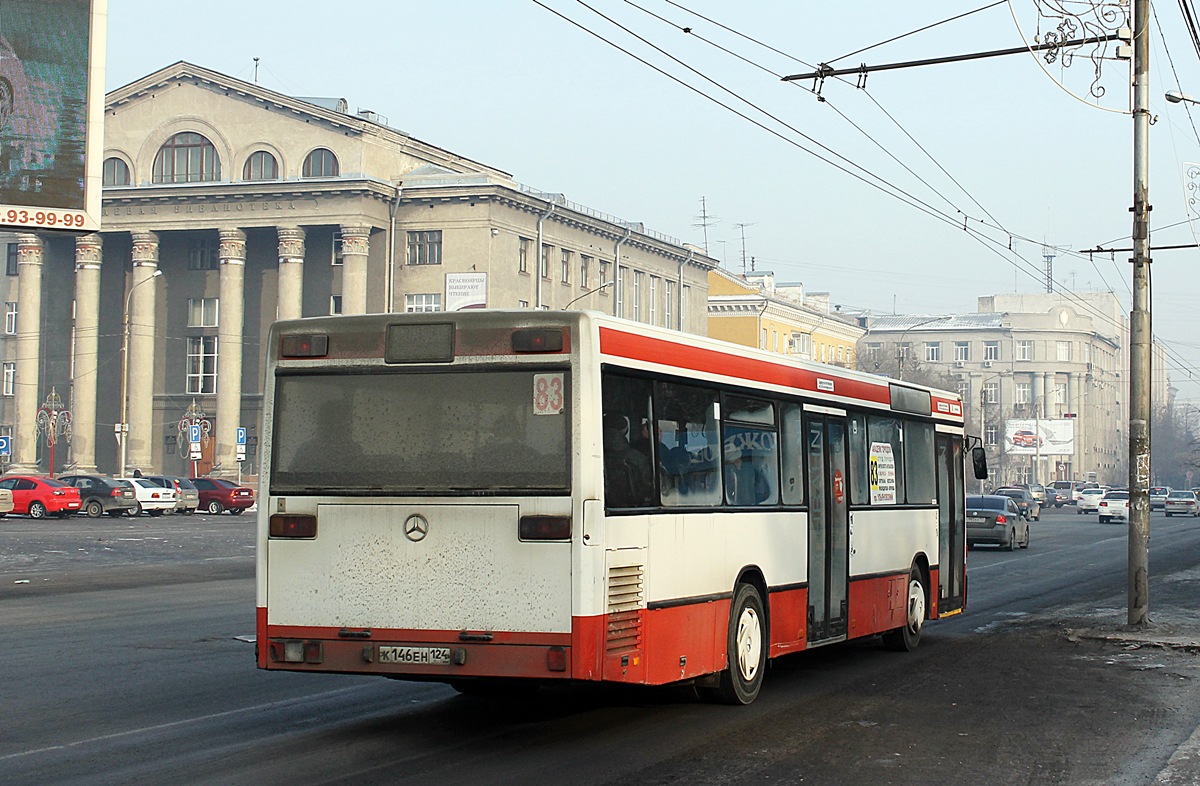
[{"x": 256, "y": 70}]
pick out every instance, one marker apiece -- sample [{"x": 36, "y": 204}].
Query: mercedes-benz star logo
[{"x": 416, "y": 528}]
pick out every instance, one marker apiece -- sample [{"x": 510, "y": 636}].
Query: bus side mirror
[{"x": 979, "y": 462}]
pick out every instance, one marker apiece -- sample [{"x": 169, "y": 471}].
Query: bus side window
[
  {"x": 688, "y": 445},
  {"x": 628, "y": 477}
]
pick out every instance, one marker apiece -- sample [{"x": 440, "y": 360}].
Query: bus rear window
[{"x": 425, "y": 433}]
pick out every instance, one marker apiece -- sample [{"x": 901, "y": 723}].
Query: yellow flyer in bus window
[{"x": 883, "y": 474}]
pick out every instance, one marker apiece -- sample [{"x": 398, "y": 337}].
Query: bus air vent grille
[{"x": 625, "y": 602}]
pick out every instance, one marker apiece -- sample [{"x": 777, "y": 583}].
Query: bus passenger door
[
  {"x": 952, "y": 589},
  {"x": 828, "y": 528}
]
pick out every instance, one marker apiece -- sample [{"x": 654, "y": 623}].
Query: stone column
[
  {"x": 29, "y": 321},
  {"x": 140, "y": 384},
  {"x": 291, "y": 273},
  {"x": 229, "y": 350},
  {"x": 355, "y": 245},
  {"x": 87, "y": 336}
]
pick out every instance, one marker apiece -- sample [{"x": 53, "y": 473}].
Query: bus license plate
[{"x": 420, "y": 656}]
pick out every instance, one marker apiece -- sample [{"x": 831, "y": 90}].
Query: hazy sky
[{"x": 995, "y": 143}]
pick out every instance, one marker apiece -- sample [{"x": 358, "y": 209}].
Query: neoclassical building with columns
[{"x": 227, "y": 206}]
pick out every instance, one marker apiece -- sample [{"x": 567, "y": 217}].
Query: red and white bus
[{"x": 498, "y": 498}]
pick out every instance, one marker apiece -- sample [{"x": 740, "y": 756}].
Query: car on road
[
  {"x": 1089, "y": 499},
  {"x": 187, "y": 497},
  {"x": 1114, "y": 505},
  {"x": 218, "y": 495},
  {"x": 1056, "y": 497},
  {"x": 1184, "y": 503},
  {"x": 995, "y": 518},
  {"x": 1158, "y": 496},
  {"x": 40, "y": 497},
  {"x": 1069, "y": 490},
  {"x": 1029, "y": 506},
  {"x": 100, "y": 495},
  {"x": 151, "y": 498}
]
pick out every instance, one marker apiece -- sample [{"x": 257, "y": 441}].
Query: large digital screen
[{"x": 51, "y": 113}]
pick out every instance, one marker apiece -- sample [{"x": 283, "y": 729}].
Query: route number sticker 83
[{"x": 547, "y": 394}]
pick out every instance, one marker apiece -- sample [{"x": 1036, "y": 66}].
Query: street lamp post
[{"x": 123, "y": 426}]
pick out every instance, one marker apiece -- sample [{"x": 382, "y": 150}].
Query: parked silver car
[{"x": 187, "y": 497}]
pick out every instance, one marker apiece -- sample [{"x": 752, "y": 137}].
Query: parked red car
[
  {"x": 218, "y": 495},
  {"x": 41, "y": 497}
]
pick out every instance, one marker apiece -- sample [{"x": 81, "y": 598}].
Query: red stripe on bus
[
  {"x": 668, "y": 353},
  {"x": 260, "y": 635}
]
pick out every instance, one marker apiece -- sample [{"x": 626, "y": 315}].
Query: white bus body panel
[{"x": 470, "y": 572}]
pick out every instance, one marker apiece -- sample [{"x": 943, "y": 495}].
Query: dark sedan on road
[
  {"x": 1029, "y": 506},
  {"x": 996, "y": 519},
  {"x": 100, "y": 495},
  {"x": 218, "y": 495}
]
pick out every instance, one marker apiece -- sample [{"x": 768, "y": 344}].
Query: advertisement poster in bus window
[{"x": 883, "y": 474}]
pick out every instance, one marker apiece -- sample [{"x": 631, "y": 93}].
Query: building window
[
  {"x": 962, "y": 351},
  {"x": 202, "y": 364},
  {"x": 522, "y": 304},
  {"x": 336, "y": 257},
  {"x": 202, "y": 312},
  {"x": 669, "y": 303},
  {"x": 187, "y": 157},
  {"x": 566, "y": 266},
  {"x": 320, "y": 163},
  {"x": 964, "y": 390},
  {"x": 423, "y": 302},
  {"x": 585, "y": 264},
  {"x": 523, "y": 255},
  {"x": 801, "y": 344},
  {"x": 10, "y": 379},
  {"x": 1024, "y": 393},
  {"x": 654, "y": 300},
  {"x": 603, "y": 276},
  {"x": 991, "y": 392},
  {"x": 335, "y": 304},
  {"x": 933, "y": 351},
  {"x": 637, "y": 295},
  {"x": 989, "y": 436},
  {"x": 544, "y": 270},
  {"x": 10, "y": 318},
  {"x": 1060, "y": 394},
  {"x": 1063, "y": 349},
  {"x": 620, "y": 286},
  {"x": 425, "y": 248},
  {"x": 203, "y": 254},
  {"x": 1024, "y": 350},
  {"x": 116, "y": 172},
  {"x": 261, "y": 165},
  {"x": 10, "y": 260},
  {"x": 991, "y": 350}
]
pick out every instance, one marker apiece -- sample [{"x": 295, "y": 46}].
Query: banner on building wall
[
  {"x": 466, "y": 290},
  {"x": 51, "y": 113},
  {"x": 1027, "y": 437}
]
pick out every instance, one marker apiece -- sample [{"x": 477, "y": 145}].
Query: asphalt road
[{"x": 122, "y": 665}]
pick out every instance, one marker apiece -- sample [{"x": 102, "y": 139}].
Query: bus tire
[
  {"x": 906, "y": 638},
  {"x": 746, "y": 646}
]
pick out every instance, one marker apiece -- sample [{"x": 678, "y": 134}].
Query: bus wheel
[
  {"x": 905, "y": 639},
  {"x": 747, "y": 648}
]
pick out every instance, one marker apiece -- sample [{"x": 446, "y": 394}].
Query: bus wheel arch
[
  {"x": 747, "y": 644},
  {"x": 907, "y": 636}
]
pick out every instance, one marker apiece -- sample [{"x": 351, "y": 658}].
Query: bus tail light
[
  {"x": 531, "y": 340},
  {"x": 297, "y": 652},
  {"x": 556, "y": 659},
  {"x": 304, "y": 346},
  {"x": 545, "y": 528},
  {"x": 293, "y": 525}
]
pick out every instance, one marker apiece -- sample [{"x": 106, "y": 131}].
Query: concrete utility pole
[{"x": 1139, "y": 328}]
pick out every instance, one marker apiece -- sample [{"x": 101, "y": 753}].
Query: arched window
[
  {"x": 320, "y": 163},
  {"x": 261, "y": 165},
  {"x": 116, "y": 172},
  {"x": 187, "y": 157}
]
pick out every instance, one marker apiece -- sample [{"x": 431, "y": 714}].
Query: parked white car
[
  {"x": 151, "y": 498},
  {"x": 1089, "y": 500}
]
